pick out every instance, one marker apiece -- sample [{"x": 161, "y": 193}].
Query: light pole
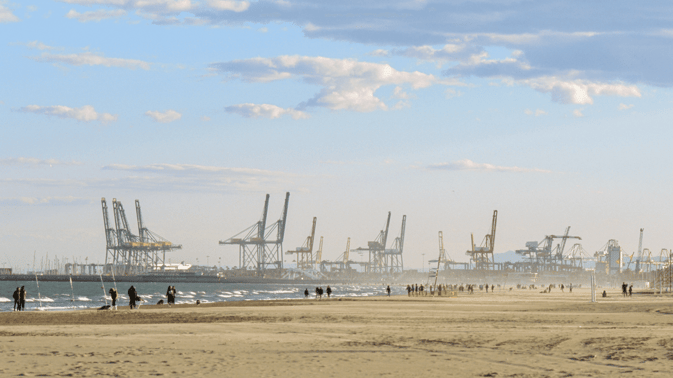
[{"x": 423, "y": 254}]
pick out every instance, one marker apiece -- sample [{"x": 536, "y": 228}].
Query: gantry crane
[
  {"x": 304, "y": 253},
  {"x": 257, "y": 251},
  {"x": 482, "y": 256},
  {"x": 127, "y": 253}
]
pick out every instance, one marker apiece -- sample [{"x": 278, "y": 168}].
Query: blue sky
[{"x": 556, "y": 114}]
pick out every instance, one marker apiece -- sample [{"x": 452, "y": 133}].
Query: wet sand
[{"x": 522, "y": 333}]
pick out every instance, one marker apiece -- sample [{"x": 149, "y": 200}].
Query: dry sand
[{"x": 521, "y": 333}]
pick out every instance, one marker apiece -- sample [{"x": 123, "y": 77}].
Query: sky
[{"x": 554, "y": 113}]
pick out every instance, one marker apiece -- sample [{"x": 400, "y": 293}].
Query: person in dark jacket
[
  {"x": 388, "y": 290},
  {"x": 306, "y": 293},
  {"x": 169, "y": 295},
  {"x": 17, "y": 303},
  {"x": 22, "y": 298},
  {"x": 132, "y": 297},
  {"x": 113, "y": 296},
  {"x": 329, "y": 291}
]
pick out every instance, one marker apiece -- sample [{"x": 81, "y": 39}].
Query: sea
[{"x": 61, "y": 296}]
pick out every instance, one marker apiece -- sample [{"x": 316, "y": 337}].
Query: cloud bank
[
  {"x": 86, "y": 113},
  {"x": 346, "y": 84}
]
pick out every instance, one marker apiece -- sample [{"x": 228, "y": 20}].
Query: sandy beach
[{"x": 519, "y": 333}]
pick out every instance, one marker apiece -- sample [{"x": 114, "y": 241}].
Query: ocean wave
[{"x": 5, "y": 300}]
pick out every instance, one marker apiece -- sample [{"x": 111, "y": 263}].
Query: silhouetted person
[
  {"x": 486, "y": 288},
  {"x": 306, "y": 293},
  {"x": 132, "y": 297},
  {"x": 169, "y": 295},
  {"x": 174, "y": 292},
  {"x": 408, "y": 291},
  {"x": 605, "y": 294},
  {"x": 113, "y": 296},
  {"x": 630, "y": 290},
  {"x": 22, "y": 298},
  {"x": 570, "y": 287},
  {"x": 17, "y": 300},
  {"x": 624, "y": 289},
  {"x": 329, "y": 291},
  {"x": 421, "y": 289},
  {"x": 388, "y": 290}
]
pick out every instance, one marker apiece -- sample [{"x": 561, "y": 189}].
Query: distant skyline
[{"x": 554, "y": 113}]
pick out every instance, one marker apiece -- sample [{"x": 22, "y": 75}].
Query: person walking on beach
[
  {"x": 329, "y": 291},
  {"x": 630, "y": 290},
  {"x": 17, "y": 303},
  {"x": 416, "y": 290},
  {"x": 306, "y": 293},
  {"x": 624, "y": 288},
  {"x": 169, "y": 295},
  {"x": 22, "y": 298},
  {"x": 570, "y": 287},
  {"x": 408, "y": 291},
  {"x": 113, "y": 296},
  {"x": 388, "y": 290},
  {"x": 132, "y": 297}
]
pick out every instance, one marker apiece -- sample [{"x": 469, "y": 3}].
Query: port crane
[
  {"x": 257, "y": 251},
  {"x": 482, "y": 256},
  {"x": 304, "y": 254}
]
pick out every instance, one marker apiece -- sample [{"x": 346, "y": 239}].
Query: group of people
[
  {"x": 416, "y": 290},
  {"x": 319, "y": 292},
  {"x": 19, "y": 299},
  {"x": 626, "y": 289}
]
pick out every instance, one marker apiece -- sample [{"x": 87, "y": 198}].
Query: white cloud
[
  {"x": 45, "y": 201},
  {"x": 39, "y": 45},
  {"x": 263, "y": 30},
  {"x": 6, "y": 15},
  {"x": 228, "y": 5},
  {"x": 537, "y": 112},
  {"x": 86, "y": 113},
  {"x": 264, "y": 111},
  {"x": 468, "y": 165},
  {"x": 205, "y": 118},
  {"x": 165, "y": 117},
  {"x": 578, "y": 92},
  {"x": 91, "y": 59},
  {"x": 97, "y": 15},
  {"x": 346, "y": 84},
  {"x": 34, "y": 162},
  {"x": 578, "y": 113},
  {"x": 625, "y": 107}
]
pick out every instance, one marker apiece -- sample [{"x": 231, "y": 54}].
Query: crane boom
[
  {"x": 493, "y": 226},
  {"x": 385, "y": 235},
  {"x": 347, "y": 251},
  {"x": 281, "y": 229},
  {"x": 262, "y": 225},
  {"x": 318, "y": 254},
  {"x": 312, "y": 237}
]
